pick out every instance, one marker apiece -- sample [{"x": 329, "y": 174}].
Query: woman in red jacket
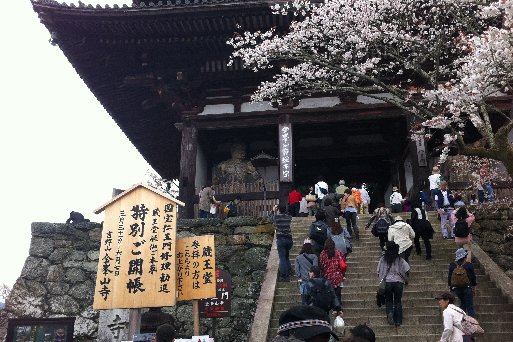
[{"x": 329, "y": 261}]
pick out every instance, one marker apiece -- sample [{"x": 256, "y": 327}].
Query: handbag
[
  {"x": 342, "y": 265},
  {"x": 382, "y": 283},
  {"x": 469, "y": 325}
]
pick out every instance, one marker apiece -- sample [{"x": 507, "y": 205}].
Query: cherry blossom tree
[{"x": 441, "y": 61}]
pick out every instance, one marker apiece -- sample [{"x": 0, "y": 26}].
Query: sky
[{"x": 60, "y": 150}]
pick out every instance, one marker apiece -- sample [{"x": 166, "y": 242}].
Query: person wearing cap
[
  {"x": 444, "y": 202},
  {"x": 452, "y": 318},
  {"x": 394, "y": 270},
  {"x": 165, "y": 333},
  {"x": 306, "y": 323},
  {"x": 465, "y": 292},
  {"x": 402, "y": 234},
  {"x": 304, "y": 262},
  {"x": 434, "y": 179},
  {"x": 396, "y": 200}
]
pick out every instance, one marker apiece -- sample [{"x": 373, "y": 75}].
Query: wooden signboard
[
  {"x": 136, "y": 266},
  {"x": 195, "y": 268}
]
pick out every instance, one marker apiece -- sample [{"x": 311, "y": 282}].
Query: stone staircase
[{"x": 422, "y": 318}]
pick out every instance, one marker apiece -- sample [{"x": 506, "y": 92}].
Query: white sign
[
  {"x": 286, "y": 160},
  {"x": 421, "y": 152}
]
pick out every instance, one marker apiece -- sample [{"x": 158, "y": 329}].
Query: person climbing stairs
[{"x": 422, "y": 317}]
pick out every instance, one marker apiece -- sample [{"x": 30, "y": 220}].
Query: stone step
[{"x": 422, "y": 317}]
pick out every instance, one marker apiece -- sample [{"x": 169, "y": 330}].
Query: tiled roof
[{"x": 148, "y": 4}]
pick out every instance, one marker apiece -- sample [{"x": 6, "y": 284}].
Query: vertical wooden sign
[
  {"x": 195, "y": 268},
  {"x": 136, "y": 267},
  {"x": 286, "y": 160}
]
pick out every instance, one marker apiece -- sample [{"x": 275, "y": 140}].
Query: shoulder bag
[{"x": 469, "y": 325}]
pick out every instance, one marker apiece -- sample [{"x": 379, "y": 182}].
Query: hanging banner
[
  {"x": 195, "y": 268},
  {"x": 286, "y": 160}
]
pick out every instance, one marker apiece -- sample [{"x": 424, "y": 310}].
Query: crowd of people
[{"x": 321, "y": 266}]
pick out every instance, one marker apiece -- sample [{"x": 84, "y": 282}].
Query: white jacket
[
  {"x": 452, "y": 322},
  {"x": 402, "y": 234}
]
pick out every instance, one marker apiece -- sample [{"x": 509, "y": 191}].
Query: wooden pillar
[
  {"x": 401, "y": 176},
  {"x": 187, "y": 178},
  {"x": 286, "y": 157}
]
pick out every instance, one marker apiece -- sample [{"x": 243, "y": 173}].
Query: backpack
[
  {"x": 321, "y": 295},
  {"x": 318, "y": 234},
  {"x": 381, "y": 226},
  {"x": 228, "y": 208},
  {"x": 323, "y": 191},
  {"x": 459, "y": 277},
  {"x": 461, "y": 228}
]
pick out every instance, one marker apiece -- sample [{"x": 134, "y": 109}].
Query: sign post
[
  {"x": 195, "y": 271},
  {"x": 136, "y": 266}
]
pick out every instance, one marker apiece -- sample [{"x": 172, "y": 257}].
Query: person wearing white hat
[
  {"x": 396, "y": 200},
  {"x": 434, "y": 182},
  {"x": 402, "y": 234}
]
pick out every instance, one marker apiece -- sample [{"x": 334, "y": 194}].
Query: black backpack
[
  {"x": 323, "y": 191},
  {"x": 321, "y": 295},
  {"x": 318, "y": 234},
  {"x": 461, "y": 228},
  {"x": 381, "y": 226}
]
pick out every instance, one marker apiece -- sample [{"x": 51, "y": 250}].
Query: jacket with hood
[{"x": 402, "y": 234}]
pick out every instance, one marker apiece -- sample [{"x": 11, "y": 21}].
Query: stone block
[
  {"x": 265, "y": 228},
  {"x": 95, "y": 234},
  {"x": 78, "y": 255},
  {"x": 74, "y": 275},
  {"x": 113, "y": 325},
  {"x": 41, "y": 247},
  {"x": 93, "y": 255},
  {"x": 35, "y": 268},
  {"x": 55, "y": 273},
  {"x": 245, "y": 230},
  {"x": 60, "y": 254},
  {"x": 83, "y": 291},
  {"x": 64, "y": 305},
  {"x": 57, "y": 288},
  {"x": 261, "y": 239},
  {"x": 239, "y": 239}
]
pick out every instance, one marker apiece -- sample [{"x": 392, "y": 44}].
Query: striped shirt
[{"x": 282, "y": 226}]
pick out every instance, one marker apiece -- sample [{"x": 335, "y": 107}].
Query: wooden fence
[{"x": 252, "y": 197}]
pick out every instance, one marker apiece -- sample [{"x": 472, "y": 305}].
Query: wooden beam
[{"x": 187, "y": 178}]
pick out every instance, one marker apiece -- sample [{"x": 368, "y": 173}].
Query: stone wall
[
  {"x": 59, "y": 274},
  {"x": 493, "y": 232}
]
